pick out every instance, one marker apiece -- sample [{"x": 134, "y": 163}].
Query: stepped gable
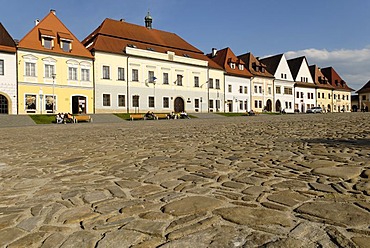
[
  {"x": 335, "y": 80},
  {"x": 225, "y": 57},
  {"x": 255, "y": 66},
  {"x": 319, "y": 79},
  {"x": 272, "y": 62},
  {"x": 365, "y": 88},
  {"x": 114, "y": 36},
  {"x": 7, "y": 43},
  {"x": 53, "y": 28}
]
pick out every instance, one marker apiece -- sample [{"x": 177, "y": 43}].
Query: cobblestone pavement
[{"x": 272, "y": 181}]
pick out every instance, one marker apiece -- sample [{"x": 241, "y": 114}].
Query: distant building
[
  {"x": 237, "y": 80},
  {"x": 324, "y": 90},
  {"x": 341, "y": 92},
  {"x": 283, "y": 84},
  {"x": 364, "y": 97},
  {"x": 54, "y": 70},
  {"x": 304, "y": 87},
  {"x": 8, "y": 73},
  {"x": 262, "y": 84},
  {"x": 140, "y": 69}
]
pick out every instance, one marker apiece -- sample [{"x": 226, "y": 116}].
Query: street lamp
[
  {"x": 53, "y": 76},
  {"x": 41, "y": 95}
]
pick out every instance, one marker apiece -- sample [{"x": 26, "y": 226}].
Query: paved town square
[{"x": 266, "y": 180}]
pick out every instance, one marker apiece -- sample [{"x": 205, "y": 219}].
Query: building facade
[
  {"x": 283, "y": 84},
  {"x": 324, "y": 90},
  {"x": 54, "y": 70},
  {"x": 140, "y": 69},
  {"x": 8, "y": 73},
  {"x": 364, "y": 97}
]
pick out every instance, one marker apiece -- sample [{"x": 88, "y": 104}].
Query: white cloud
[{"x": 352, "y": 65}]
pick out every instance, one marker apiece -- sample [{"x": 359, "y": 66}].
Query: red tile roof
[
  {"x": 252, "y": 62},
  {"x": 226, "y": 56},
  {"x": 114, "y": 36},
  {"x": 7, "y": 43},
  {"x": 319, "y": 79},
  {"x": 335, "y": 80},
  {"x": 51, "y": 26}
]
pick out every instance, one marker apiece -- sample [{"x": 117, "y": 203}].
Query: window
[
  {"x": 269, "y": 90},
  {"x": 232, "y": 65},
  {"x": 246, "y": 105},
  {"x": 240, "y": 89},
  {"x": 179, "y": 80},
  {"x": 218, "y": 102},
  {"x": 210, "y": 83},
  {"x": 217, "y": 83},
  {"x": 318, "y": 95},
  {"x": 262, "y": 69},
  {"x": 151, "y": 101},
  {"x": 241, "y": 67},
  {"x": 30, "y": 102},
  {"x": 255, "y": 104},
  {"x": 260, "y": 89},
  {"x": 196, "y": 81},
  {"x": 1, "y": 67},
  {"x": 347, "y": 97},
  {"x": 241, "y": 105},
  {"x": 288, "y": 90},
  {"x": 255, "y": 89},
  {"x": 49, "y": 103},
  {"x": 106, "y": 72},
  {"x": 135, "y": 101},
  {"x": 329, "y": 95},
  {"x": 210, "y": 103},
  {"x": 229, "y": 88},
  {"x": 121, "y": 74},
  {"x": 49, "y": 71},
  {"x": 85, "y": 74},
  {"x": 196, "y": 103},
  {"x": 322, "y": 95},
  {"x": 302, "y": 95},
  {"x": 290, "y": 105},
  {"x": 278, "y": 89},
  {"x": 72, "y": 73},
  {"x": 260, "y": 104},
  {"x": 66, "y": 46},
  {"x": 286, "y": 105},
  {"x": 335, "y": 96},
  {"x": 308, "y": 95},
  {"x": 297, "y": 94},
  {"x": 48, "y": 42},
  {"x": 121, "y": 100},
  {"x": 135, "y": 75},
  {"x": 245, "y": 90},
  {"x": 30, "y": 69},
  {"x": 106, "y": 100},
  {"x": 312, "y": 96},
  {"x": 151, "y": 77},
  {"x": 165, "y": 78},
  {"x": 166, "y": 102}
]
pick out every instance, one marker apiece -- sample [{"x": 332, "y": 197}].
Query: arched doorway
[
  {"x": 179, "y": 105},
  {"x": 278, "y": 106},
  {"x": 78, "y": 105},
  {"x": 269, "y": 105},
  {"x": 4, "y": 105}
]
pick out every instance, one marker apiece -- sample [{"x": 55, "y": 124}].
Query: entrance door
[
  {"x": 269, "y": 105},
  {"x": 278, "y": 106},
  {"x": 3, "y": 105},
  {"x": 230, "y": 104},
  {"x": 179, "y": 105},
  {"x": 78, "y": 105}
]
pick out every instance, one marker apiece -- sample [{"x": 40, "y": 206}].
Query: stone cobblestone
[{"x": 262, "y": 181}]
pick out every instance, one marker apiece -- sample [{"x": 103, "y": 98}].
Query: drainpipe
[
  {"x": 94, "y": 84},
  {"x": 127, "y": 91},
  {"x": 17, "y": 83}
]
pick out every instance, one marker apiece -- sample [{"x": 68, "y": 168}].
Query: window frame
[
  {"x": 121, "y": 103},
  {"x": 106, "y": 72},
  {"x": 2, "y": 67},
  {"x": 106, "y": 100},
  {"x": 121, "y": 74}
]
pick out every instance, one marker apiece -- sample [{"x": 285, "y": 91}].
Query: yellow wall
[
  {"x": 325, "y": 102},
  {"x": 64, "y": 89}
]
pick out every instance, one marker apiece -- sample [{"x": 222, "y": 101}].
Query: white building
[
  {"x": 8, "y": 73},
  {"x": 283, "y": 84},
  {"x": 140, "y": 69},
  {"x": 304, "y": 87}
]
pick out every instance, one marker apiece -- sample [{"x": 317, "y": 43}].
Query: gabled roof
[
  {"x": 335, "y": 80},
  {"x": 224, "y": 57},
  {"x": 7, "y": 43},
  {"x": 319, "y": 79},
  {"x": 53, "y": 28},
  {"x": 114, "y": 36},
  {"x": 272, "y": 62},
  {"x": 295, "y": 64},
  {"x": 251, "y": 62},
  {"x": 365, "y": 88}
]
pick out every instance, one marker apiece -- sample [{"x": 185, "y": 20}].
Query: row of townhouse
[{"x": 122, "y": 67}]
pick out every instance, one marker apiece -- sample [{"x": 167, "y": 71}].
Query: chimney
[
  {"x": 122, "y": 20},
  {"x": 214, "y": 52},
  {"x": 148, "y": 21},
  {"x": 37, "y": 21},
  {"x": 53, "y": 11}
]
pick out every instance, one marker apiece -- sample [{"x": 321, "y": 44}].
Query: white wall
[
  {"x": 235, "y": 97},
  {"x": 8, "y": 81}
]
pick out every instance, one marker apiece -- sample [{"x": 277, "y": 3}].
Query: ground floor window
[
  {"x": 241, "y": 105},
  {"x": 166, "y": 102},
  {"x": 106, "y": 100},
  {"x": 49, "y": 102},
  {"x": 218, "y": 102},
  {"x": 30, "y": 102},
  {"x": 135, "y": 101},
  {"x": 151, "y": 102},
  {"x": 196, "y": 103},
  {"x": 210, "y": 103},
  {"x": 121, "y": 100}
]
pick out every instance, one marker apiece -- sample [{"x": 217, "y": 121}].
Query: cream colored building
[
  {"x": 140, "y": 69},
  {"x": 54, "y": 71}
]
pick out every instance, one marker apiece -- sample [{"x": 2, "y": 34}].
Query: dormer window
[
  {"x": 65, "y": 41},
  {"x": 48, "y": 42},
  {"x": 47, "y": 38},
  {"x": 262, "y": 69},
  {"x": 241, "y": 67},
  {"x": 257, "y": 68},
  {"x": 232, "y": 65}
]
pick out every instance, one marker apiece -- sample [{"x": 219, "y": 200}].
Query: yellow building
[
  {"x": 54, "y": 70},
  {"x": 324, "y": 90}
]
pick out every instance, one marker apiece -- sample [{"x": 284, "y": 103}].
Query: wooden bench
[
  {"x": 162, "y": 116},
  {"x": 78, "y": 118},
  {"x": 136, "y": 117}
]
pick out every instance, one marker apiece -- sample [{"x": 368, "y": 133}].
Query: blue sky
[{"x": 329, "y": 32}]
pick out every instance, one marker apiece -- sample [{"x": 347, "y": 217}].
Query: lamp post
[
  {"x": 207, "y": 93},
  {"x": 41, "y": 95},
  {"x": 53, "y": 76}
]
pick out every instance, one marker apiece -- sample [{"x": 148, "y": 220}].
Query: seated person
[
  {"x": 184, "y": 115},
  {"x": 68, "y": 117},
  {"x": 251, "y": 112},
  {"x": 59, "y": 118},
  {"x": 172, "y": 115},
  {"x": 149, "y": 115}
]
